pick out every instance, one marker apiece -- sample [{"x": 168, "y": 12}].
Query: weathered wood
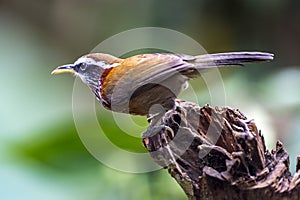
[{"x": 218, "y": 153}]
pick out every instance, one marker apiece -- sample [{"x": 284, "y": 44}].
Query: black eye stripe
[
  {"x": 83, "y": 66},
  {"x": 80, "y": 66},
  {"x": 76, "y": 67}
]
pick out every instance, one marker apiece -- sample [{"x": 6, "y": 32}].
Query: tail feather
[{"x": 230, "y": 59}]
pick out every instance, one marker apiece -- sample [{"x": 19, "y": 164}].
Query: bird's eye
[{"x": 83, "y": 66}]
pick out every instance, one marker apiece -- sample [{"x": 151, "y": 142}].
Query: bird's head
[{"x": 89, "y": 68}]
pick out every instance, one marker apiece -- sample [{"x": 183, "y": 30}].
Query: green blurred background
[{"x": 41, "y": 155}]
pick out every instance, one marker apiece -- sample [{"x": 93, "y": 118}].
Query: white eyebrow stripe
[
  {"x": 115, "y": 65},
  {"x": 91, "y": 61},
  {"x": 82, "y": 60}
]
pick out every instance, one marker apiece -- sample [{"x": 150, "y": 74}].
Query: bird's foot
[
  {"x": 153, "y": 130},
  {"x": 151, "y": 117},
  {"x": 160, "y": 129}
]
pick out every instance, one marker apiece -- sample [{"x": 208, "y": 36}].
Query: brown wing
[{"x": 132, "y": 73}]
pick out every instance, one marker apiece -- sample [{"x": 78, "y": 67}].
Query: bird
[{"x": 141, "y": 83}]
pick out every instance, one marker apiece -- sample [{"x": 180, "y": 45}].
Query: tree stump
[{"x": 217, "y": 153}]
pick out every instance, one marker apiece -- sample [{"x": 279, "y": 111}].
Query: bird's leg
[
  {"x": 154, "y": 127},
  {"x": 154, "y": 117},
  {"x": 151, "y": 117}
]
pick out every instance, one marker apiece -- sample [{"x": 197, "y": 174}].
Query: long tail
[{"x": 230, "y": 59}]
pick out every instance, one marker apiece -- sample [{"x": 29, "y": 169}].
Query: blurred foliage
[
  {"x": 119, "y": 137},
  {"x": 61, "y": 155},
  {"x": 41, "y": 155},
  {"x": 60, "y": 149}
]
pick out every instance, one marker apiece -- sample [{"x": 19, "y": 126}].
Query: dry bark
[{"x": 217, "y": 153}]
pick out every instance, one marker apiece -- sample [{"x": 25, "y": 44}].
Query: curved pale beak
[{"x": 64, "y": 69}]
